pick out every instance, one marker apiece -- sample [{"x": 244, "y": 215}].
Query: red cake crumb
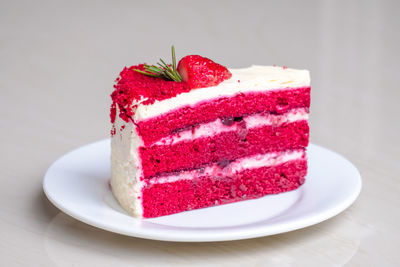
[{"x": 133, "y": 86}]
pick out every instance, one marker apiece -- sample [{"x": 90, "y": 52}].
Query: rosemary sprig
[{"x": 163, "y": 70}]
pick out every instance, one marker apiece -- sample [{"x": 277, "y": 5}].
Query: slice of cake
[{"x": 198, "y": 135}]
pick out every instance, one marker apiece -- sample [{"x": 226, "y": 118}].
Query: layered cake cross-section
[{"x": 211, "y": 136}]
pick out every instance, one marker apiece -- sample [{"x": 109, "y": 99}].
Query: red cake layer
[
  {"x": 225, "y": 146},
  {"x": 274, "y": 101},
  {"x": 168, "y": 198}
]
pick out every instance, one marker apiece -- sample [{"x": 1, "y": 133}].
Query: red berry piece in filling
[{"x": 228, "y": 121}]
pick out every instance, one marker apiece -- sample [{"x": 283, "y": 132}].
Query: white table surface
[{"x": 58, "y": 61}]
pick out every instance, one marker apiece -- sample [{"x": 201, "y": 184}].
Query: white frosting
[
  {"x": 252, "y": 79},
  {"x": 239, "y": 165},
  {"x": 125, "y": 167},
  {"x": 217, "y": 127}
]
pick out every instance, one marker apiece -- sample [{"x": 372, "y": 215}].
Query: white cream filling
[
  {"x": 252, "y": 79},
  {"x": 239, "y": 165},
  {"x": 217, "y": 127}
]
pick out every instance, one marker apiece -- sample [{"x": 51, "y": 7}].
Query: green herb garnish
[{"x": 163, "y": 70}]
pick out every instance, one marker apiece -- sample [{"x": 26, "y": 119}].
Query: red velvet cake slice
[{"x": 212, "y": 136}]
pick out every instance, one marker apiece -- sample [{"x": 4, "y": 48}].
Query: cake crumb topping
[{"x": 132, "y": 88}]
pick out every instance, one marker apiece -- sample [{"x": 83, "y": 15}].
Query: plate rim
[{"x": 207, "y": 235}]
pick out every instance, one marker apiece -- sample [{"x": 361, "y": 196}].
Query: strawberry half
[{"x": 198, "y": 71}]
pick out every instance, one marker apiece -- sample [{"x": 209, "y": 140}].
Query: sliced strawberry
[{"x": 199, "y": 71}]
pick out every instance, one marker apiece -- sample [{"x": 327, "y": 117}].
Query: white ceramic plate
[{"x": 77, "y": 184}]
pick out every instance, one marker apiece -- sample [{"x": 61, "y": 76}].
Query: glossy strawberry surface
[{"x": 198, "y": 71}]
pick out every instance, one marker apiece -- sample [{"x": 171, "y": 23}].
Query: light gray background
[{"x": 58, "y": 61}]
